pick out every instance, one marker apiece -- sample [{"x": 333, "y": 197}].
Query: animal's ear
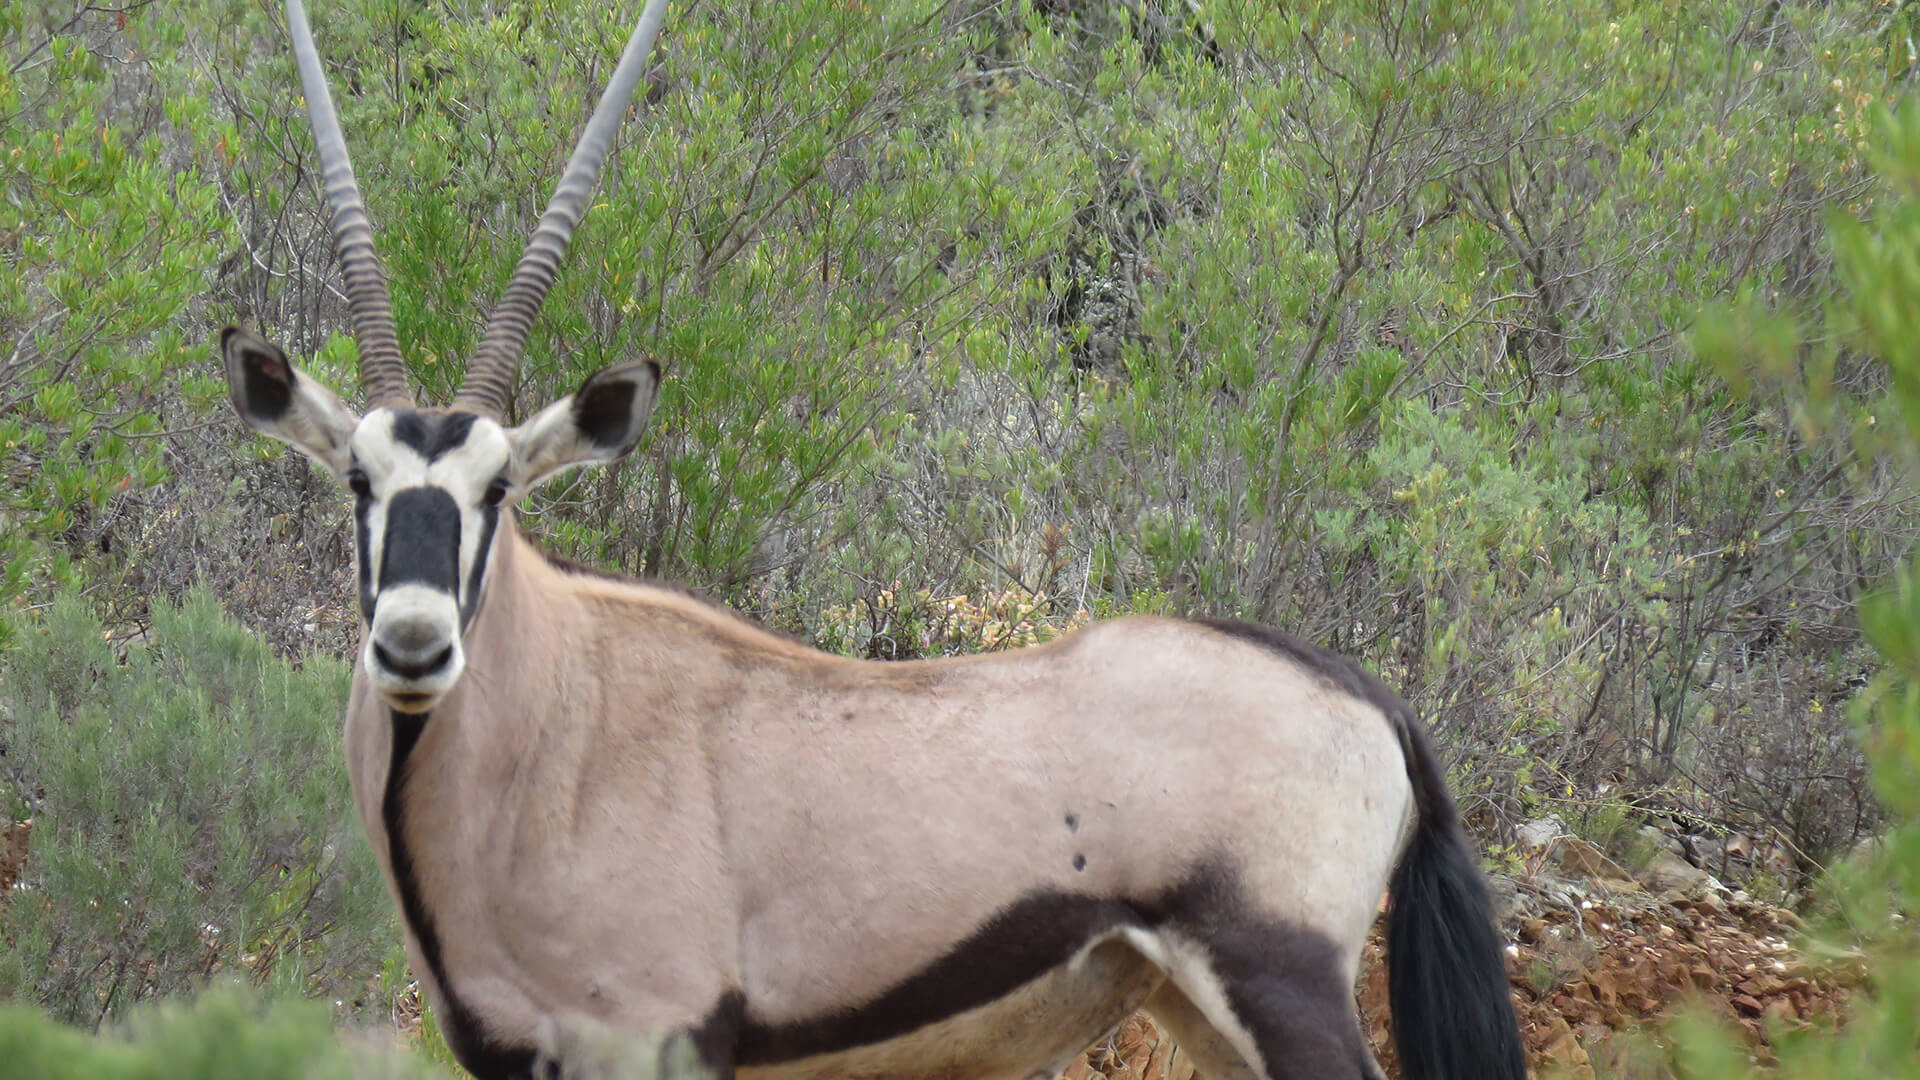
[
  {"x": 599, "y": 422},
  {"x": 280, "y": 400}
]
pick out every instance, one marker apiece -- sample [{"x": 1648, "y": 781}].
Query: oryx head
[{"x": 429, "y": 484}]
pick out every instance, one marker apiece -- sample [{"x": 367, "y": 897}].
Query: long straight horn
[
  {"x": 489, "y": 382},
  {"x": 381, "y": 366}
]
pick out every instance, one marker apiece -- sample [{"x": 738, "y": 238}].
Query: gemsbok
[{"x": 604, "y": 805}]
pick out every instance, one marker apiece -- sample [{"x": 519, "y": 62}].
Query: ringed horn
[{"x": 489, "y": 382}]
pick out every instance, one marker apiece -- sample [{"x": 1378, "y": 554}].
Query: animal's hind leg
[
  {"x": 1213, "y": 1055},
  {"x": 1303, "y": 1029},
  {"x": 1281, "y": 999}
]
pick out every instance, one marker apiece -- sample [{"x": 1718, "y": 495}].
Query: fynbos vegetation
[{"x": 1554, "y": 360}]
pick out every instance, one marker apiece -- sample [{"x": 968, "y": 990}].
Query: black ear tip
[
  {"x": 612, "y": 405},
  {"x": 253, "y": 350},
  {"x": 647, "y": 374},
  {"x": 259, "y": 377},
  {"x": 632, "y": 372}
]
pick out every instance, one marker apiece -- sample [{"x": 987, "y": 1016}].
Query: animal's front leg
[{"x": 582, "y": 1048}]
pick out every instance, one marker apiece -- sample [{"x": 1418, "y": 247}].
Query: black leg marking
[
  {"x": 1285, "y": 984},
  {"x": 717, "y": 1037}
]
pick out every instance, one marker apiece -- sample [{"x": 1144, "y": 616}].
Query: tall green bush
[
  {"x": 1370, "y": 321},
  {"x": 190, "y": 813},
  {"x": 1797, "y": 352},
  {"x": 1367, "y": 321},
  {"x": 777, "y": 226},
  {"x": 108, "y": 229}
]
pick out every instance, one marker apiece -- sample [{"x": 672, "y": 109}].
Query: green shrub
[
  {"x": 1798, "y": 351},
  {"x": 107, "y": 236},
  {"x": 1369, "y": 323},
  {"x": 1365, "y": 321},
  {"x": 225, "y": 1034},
  {"x": 191, "y": 816}
]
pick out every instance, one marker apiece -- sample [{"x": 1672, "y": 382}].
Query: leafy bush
[
  {"x": 226, "y": 1034},
  {"x": 1796, "y": 351},
  {"x": 1370, "y": 323},
  {"x": 190, "y": 813},
  {"x": 107, "y": 233},
  {"x": 1365, "y": 321}
]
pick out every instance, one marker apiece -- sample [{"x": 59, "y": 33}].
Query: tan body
[{"x": 662, "y": 803}]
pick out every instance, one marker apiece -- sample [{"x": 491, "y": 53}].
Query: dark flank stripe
[
  {"x": 466, "y": 1034},
  {"x": 1029, "y": 938},
  {"x": 1283, "y": 981}
]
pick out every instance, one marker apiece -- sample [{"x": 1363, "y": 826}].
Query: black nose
[{"x": 412, "y": 663}]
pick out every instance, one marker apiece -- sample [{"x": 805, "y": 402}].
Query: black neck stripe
[{"x": 477, "y": 1050}]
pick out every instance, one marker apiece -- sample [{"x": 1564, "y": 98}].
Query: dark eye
[
  {"x": 497, "y": 490},
  {"x": 360, "y": 485}
]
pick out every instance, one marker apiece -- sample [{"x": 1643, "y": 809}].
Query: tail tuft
[{"x": 1446, "y": 976}]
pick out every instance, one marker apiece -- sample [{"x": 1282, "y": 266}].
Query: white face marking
[
  {"x": 430, "y": 473},
  {"x": 463, "y": 470}
]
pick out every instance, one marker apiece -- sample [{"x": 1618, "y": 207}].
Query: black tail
[{"x": 1446, "y": 977}]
